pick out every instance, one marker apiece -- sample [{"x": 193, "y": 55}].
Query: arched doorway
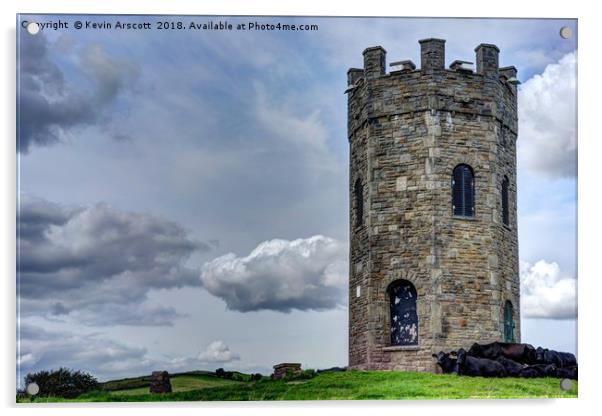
[
  {"x": 508, "y": 322},
  {"x": 404, "y": 318}
]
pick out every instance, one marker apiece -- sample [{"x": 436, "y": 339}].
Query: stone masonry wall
[{"x": 407, "y": 131}]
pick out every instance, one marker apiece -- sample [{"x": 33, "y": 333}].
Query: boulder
[
  {"x": 283, "y": 369},
  {"x": 160, "y": 382}
]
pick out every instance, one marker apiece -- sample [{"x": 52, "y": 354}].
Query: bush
[
  {"x": 221, "y": 373},
  {"x": 63, "y": 382},
  {"x": 234, "y": 375}
]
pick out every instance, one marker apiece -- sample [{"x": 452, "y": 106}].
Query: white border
[{"x": 589, "y": 192}]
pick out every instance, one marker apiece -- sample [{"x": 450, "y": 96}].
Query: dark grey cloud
[
  {"x": 49, "y": 106},
  {"x": 97, "y": 264},
  {"x": 59, "y": 309},
  {"x": 281, "y": 275},
  {"x": 39, "y": 215}
]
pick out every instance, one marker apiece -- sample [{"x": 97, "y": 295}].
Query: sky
[{"x": 183, "y": 194}]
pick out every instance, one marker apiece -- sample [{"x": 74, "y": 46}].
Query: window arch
[
  {"x": 404, "y": 318},
  {"x": 463, "y": 191},
  {"x": 505, "y": 214},
  {"x": 508, "y": 322},
  {"x": 359, "y": 202}
]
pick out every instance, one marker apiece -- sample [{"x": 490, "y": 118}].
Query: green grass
[
  {"x": 350, "y": 385},
  {"x": 181, "y": 383}
]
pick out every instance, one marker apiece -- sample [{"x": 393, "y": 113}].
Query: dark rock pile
[{"x": 503, "y": 359}]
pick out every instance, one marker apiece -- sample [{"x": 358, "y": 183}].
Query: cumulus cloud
[
  {"x": 96, "y": 264},
  {"x": 218, "y": 352},
  {"x": 281, "y": 275},
  {"x": 546, "y": 293},
  {"x": 49, "y": 106},
  {"x": 547, "y": 116}
]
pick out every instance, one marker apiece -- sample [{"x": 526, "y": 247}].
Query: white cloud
[
  {"x": 218, "y": 352},
  {"x": 281, "y": 275},
  {"x": 547, "y": 125},
  {"x": 546, "y": 293},
  {"x": 26, "y": 359}
]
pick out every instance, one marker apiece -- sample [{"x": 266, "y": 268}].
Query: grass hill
[{"x": 349, "y": 385}]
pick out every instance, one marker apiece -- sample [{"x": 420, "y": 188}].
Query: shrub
[
  {"x": 63, "y": 382},
  {"x": 221, "y": 373},
  {"x": 233, "y": 375}
]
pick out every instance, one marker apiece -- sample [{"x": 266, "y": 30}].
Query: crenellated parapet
[{"x": 488, "y": 91}]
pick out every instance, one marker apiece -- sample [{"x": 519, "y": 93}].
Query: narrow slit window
[
  {"x": 505, "y": 214},
  {"x": 359, "y": 203},
  {"x": 463, "y": 191}
]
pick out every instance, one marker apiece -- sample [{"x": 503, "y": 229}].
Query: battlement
[
  {"x": 432, "y": 60},
  {"x": 475, "y": 88},
  {"x": 432, "y": 54}
]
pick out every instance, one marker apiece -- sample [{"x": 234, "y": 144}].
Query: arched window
[
  {"x": 359, "y": 203},
  {"x": 404, "y": 318},
  {"x": 463, "y": 191},
  {"x": 508, "y": 322},
  {"x": 505, "y": 216}
]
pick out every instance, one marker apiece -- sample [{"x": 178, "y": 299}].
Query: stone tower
[{"x": 434, "y": 243}]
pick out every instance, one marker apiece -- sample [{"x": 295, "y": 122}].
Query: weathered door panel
[{"x": 404, "y": 318}]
